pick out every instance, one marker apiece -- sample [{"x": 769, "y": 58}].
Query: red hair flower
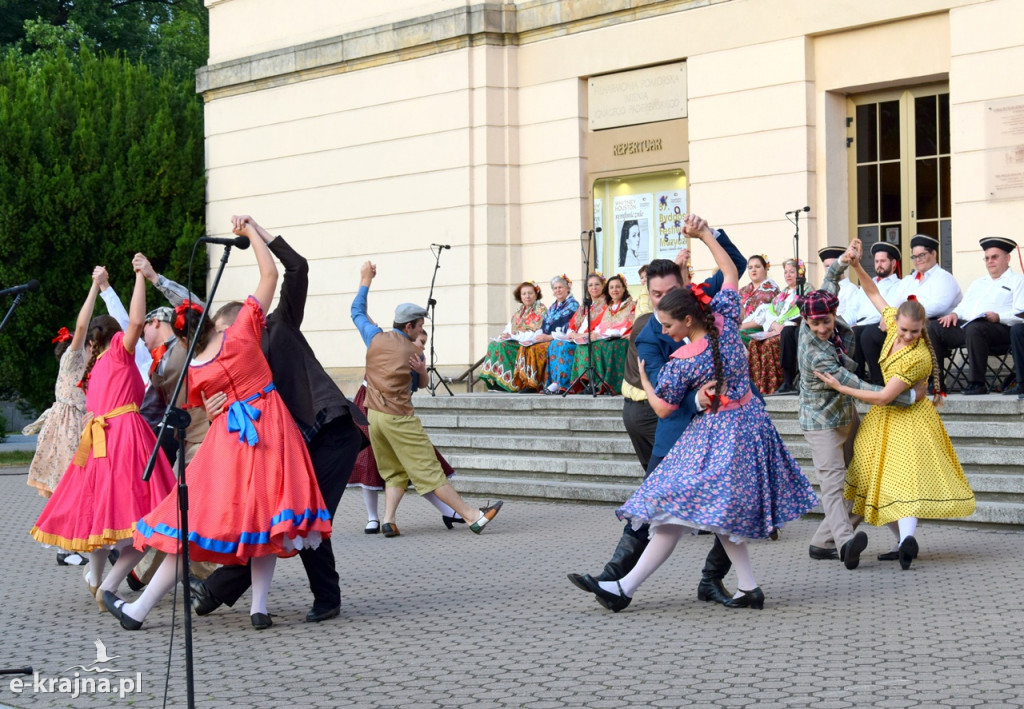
[
  {"x": 62, "y": 336},
  {"x": 698, "y": 292},
  {"x": 184, "y": 307}
]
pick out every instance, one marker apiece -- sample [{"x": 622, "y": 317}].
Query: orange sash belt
[{"x": 94, "y": 438}]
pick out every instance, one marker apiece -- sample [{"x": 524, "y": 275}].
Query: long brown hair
[
  {"x": 102, "y": 329},
  {"x": 915, "y": 311},
  {"x": 188, "y": 321}
]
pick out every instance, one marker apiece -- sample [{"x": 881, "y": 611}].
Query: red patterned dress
[{"x": 251, "y": 484}]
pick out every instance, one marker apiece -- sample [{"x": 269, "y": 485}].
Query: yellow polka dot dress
[{"x": 903, "y": 463}]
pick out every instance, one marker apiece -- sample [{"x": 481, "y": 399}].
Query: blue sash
[{"x": 242, "y": 416}]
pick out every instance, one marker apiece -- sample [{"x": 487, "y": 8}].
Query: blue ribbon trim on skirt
[
  {"x": 225, "y": 547},
  {"x": 242, "y": 417}
]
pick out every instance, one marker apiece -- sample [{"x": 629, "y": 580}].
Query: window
[{"x": 901, "y": 171}]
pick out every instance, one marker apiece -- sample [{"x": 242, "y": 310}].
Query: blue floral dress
[{"x": 729, "y": 472}]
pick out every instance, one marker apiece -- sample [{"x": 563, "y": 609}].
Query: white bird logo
[
  {"x": 101, "y": 652},
  {"x": 101, "y": 657}
]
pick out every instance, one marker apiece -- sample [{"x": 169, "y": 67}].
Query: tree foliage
[
  {"x": 100, "y": 157},
  {"x": 163, "y": 34}
]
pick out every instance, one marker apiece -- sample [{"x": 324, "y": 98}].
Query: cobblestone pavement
[{"x": 445, "y": 618}]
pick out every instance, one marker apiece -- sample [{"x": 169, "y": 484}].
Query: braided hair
[
  {"x": 102, "y": 329},
  {"x": 915, "y": 311},
  {"x": 680, "y": 303}
]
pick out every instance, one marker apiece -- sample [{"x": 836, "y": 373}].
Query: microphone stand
[
  {"x": 178, "y": 420},
  {"x": 431, "y": 306},
  {"x": 589, "y": 375},
  {"x": 801, "y": 281},
  {"x": 10, "y": 312}
]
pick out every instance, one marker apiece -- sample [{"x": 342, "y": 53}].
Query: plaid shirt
[{"x": 821, "y": 406}]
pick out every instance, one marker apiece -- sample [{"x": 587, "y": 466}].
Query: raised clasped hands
[
  {"x": 853, "y": 252},
  {"x": 243, "y": 225},
  {"x": 100, "y": 277},
  {"x": 696, "y": 227}
]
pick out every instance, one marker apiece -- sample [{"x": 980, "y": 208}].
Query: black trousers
[
  {"x": 858, "y": 352},
  {"x": 1017, "y": 348},
  {"x": 333, "y": 451},
  {"x": 979, "y": 336},
  {"x": 717, "y": 564},
  {"x": 788, "y": 341},
  {"x": 641, "y": 424},
  {"x": 869, "y": 345}
]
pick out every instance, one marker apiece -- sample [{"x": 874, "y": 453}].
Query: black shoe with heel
[
  {"x": 614, "y": 602},
  {"x": 749, "y": 599},
  {"x": 908, "y": 552},
  {"x": 261, "y": 621},
  {"x": 450, "y": 522}
]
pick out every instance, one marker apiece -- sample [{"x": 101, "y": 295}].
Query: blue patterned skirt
[
  {"x": 729, "y": 473},
  {"x": 560, "y": 357}
]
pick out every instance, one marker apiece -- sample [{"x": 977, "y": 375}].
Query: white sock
[
  {"x": 97, "y": 560},
  {"x": 163, "y": 580},
  {"x": 660, "y": 548},
  {"x": 128, "y": 557},
  {"x": 262, "y": 570},
  {"x": 739, "y": 555},
  {"x": 908, "y": 526},
  {"x": 441, "y": 506},
  {"x": 370, "y": 500}
]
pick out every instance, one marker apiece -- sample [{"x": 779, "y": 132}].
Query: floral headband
[
  {"x": 620, "y": 277},
  {"x": 184, "y": 307},
  {"x": 568, "y": 281},
  {"x": 767, "y": 263},
  {"x": 62, "y": 336}
]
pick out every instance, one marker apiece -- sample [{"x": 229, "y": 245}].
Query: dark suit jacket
[{"x": 308, "y": 391}]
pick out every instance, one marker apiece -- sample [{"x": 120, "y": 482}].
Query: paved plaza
[{"x": 445, "y": 618}]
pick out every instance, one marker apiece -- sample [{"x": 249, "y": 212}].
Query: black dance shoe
[
  {"x": 850, "y": 553},
  {"x": 614, "y": 602},
  {"x": 260, "y": 621},
  {"x": 115, "y": 606},
  {"x": 749, "y": 599},
  {"x": 577, "y": 581},
  {"x": 315, "y": 616},
  {"x": 823, "y": 553},
  {"x": 710, "y": 589},
  {"x": 908, "y": 552},
  {"x": 889, "y": 556},
  {"x": 450, "y": 522},
  {"x": 975, "y": 390}
]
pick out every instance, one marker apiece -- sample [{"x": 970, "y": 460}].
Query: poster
[
  {"x": 632, "y": 215},
  {"x": 598, "y": 235},
  {"x": 671, "y": 209}
]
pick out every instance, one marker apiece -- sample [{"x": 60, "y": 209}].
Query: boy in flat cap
[
  {"x": 983, "y": 319},
  {"x": 401, "y": 447}
]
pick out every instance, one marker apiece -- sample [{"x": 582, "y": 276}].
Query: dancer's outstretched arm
[
  {"x": 244, "y": 225},
  {"x": 136, "y": 313},
  {"x": 84, "y": 316}
]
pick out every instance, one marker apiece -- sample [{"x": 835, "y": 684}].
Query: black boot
[{"x": 627, "y": 553}]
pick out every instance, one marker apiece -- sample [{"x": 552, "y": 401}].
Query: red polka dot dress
[{"x": 252, "y": 489}]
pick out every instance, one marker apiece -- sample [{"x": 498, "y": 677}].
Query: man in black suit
[{"x": 326, "y": 418}]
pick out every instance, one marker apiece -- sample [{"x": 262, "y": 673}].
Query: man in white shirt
[
  {"x": 982, "y": 320},
  {"x": 847, "y": 288},
  {"x": 861, "y": 314},
  {"x": 933, "y": 286}
]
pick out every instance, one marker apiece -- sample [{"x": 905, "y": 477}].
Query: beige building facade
[{"x": 371, "y": 130}]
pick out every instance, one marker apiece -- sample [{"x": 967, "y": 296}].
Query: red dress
[
  {"x": 97, "y": 504},
  {"x": 251, "y": 484}
]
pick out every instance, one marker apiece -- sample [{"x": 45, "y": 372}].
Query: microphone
[
  {"x": 797, "y": 211},
  {"x": 239, "y": 242},
  {"x": 32, "y": 285},
  {"x": 442, "y": 246}
]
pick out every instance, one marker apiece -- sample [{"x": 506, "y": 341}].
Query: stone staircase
[{"x": 576, "y": 449}]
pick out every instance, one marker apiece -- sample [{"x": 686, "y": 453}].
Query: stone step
[{"x": 481, "y": 484}]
